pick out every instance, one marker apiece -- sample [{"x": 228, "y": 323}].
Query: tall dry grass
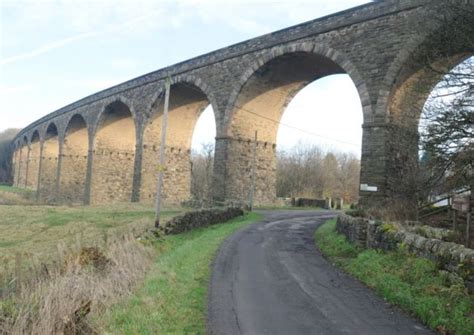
[{"x": 64, "y": 298}]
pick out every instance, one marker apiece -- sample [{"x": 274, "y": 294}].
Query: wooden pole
[
  {"x": 254, "y": 168},
  {"x": 161, "y": 165}
]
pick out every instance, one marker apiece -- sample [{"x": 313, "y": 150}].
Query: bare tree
[
  {"x": 306, "y": 171},
  {"x": 446, "y": 125},
  {"x": 202, "y": 162}
]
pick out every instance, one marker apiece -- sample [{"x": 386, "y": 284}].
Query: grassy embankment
[
  {"x": 173, "y": 298},
  {"x": 37, "y": 230},
  {"x": 414, "y": 284}
]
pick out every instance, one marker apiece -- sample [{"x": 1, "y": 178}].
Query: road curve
[{"x": 269, "y": 278}]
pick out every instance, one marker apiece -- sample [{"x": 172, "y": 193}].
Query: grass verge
[
  {"x": 416, "y": 285},
  {"x": 174, "y": 294}
]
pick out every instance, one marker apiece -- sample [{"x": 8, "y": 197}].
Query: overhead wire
[{"x": 276, "y": 121}]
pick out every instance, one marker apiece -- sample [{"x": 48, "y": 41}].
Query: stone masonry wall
[
  {"x": 49, "y": 168},
  {"x": 177, "y": 175},
  {"x": 15, "y": 166},
  {"x": 449, "y": 256},
  {"x": 73, "y": 176},
  {"x": 33, "y": 166},
  {"x": 239, "y": 174},
  {"x": 112, "y": 176},
  {"x": 22, "y": 167}
]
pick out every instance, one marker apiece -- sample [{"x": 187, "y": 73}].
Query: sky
[{"x": 54, "y": 52}]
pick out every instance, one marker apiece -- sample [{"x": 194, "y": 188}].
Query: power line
[
  {"x": 296, "y": 128},
  {"x": 279, "y": 122}
]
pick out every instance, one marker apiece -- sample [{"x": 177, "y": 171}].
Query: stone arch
[
  {"x": 257, "y": 103},
  {"x": 410, "y": 79},
  {"x": 113, "y": 154},
  {"x": 439, "y": 46},
  {"x": 189, "y": 96},
  {"x": 74, "y": 160},
  {"x": 49, "y": 163},
  {"x": 34, "y": 160},
  {"x": 319, "y": 49},
  {"x": 95, "y": 120}
]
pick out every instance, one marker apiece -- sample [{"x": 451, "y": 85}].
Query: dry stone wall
[
  {"x": 449, "y": 256},
  {"x": 198, "y": 219}
]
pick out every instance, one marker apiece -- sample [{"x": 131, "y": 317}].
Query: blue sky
[{"x": 54, "y": 52}]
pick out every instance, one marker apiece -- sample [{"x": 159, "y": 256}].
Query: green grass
[
  {"x": 173, "y": 298},
  {"x": 37, "y": 230},
  {"x": 12, "y": 189},
  {"x": 415, "y": 284}
]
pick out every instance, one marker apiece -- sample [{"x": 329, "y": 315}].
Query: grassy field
[
  {"x": 173, "y": 298},
  {"x": 15, "y": 196},
  {"x": 414, "y": 284},
  {"x": 37, "y": 230}
]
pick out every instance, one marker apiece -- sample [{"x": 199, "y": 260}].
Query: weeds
[{"x": 63, "y": 297}]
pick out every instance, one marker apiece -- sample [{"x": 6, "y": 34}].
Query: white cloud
[{"x": 45, "y": 48}]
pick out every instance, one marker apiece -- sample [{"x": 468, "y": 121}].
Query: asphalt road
[{"x": 269, "y": 278}]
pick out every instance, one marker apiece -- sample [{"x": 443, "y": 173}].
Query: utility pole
[
  {"x": 161, "y": 165},
  {"x": 254, "y": 167}
]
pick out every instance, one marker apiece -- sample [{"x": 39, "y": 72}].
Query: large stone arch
[
  {"x": 49, "y": 163},
  {"x": 34, "y": 160},
  {"x": 74, "y": 160},
  {"x": 113, "y": 154},
  {"x": 257, "y": 104},
  {"x": 415, "y": 71},
  {"x": 189, "y": 96},
  {"x": 310, "y": 48}
]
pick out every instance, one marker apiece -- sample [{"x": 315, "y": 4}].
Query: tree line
[
  {"x": 6, "y": 152},
  {"x": 304, "y": 170}
]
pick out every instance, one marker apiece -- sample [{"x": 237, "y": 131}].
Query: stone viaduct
[{"x": 104, "y": 148}]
